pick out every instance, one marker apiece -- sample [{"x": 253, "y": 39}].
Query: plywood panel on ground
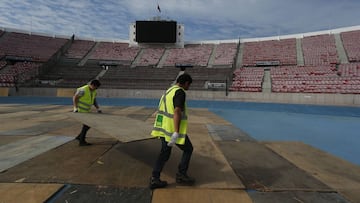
[
  {"x": 16, "y": 152},
  {"x": 100, "y": 193},
  {"x": 228, "y": 133},
  {"x": 181, "y": 195},
  {"x": 204, "y": 116},
  {"x": 37, "y": 128},
  {"x": 261, "y": 169},
  {"x": 337, "y": 173},
  {"x": 62, "y": 164},
  {"x": 120, "y": 127},
  {"x": 27, "y": 192},
  {"x": 296, "y": 197}
]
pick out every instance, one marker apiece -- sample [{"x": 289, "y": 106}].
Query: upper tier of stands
[
  {"x": 195, "y": 54},
  {"x": 319, "y": 50},
  {"x": 114, "y": 51},
  {"x": 150, "y": 57},
  {"x": 281, "y": 51},
  {"x": 38, "y": 48},
  {"x": 351, "y": 43},
  {"x": 79, "y": 48},
  {"x": 225, "y": 54}
]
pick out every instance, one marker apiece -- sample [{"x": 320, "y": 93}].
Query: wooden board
[
  {"x": 17, "y": 114},
  {"x": 64, "y": 164},
  {"x": 122, "y": 128},
  {"x": 337, "y": 173},
  {"x": 227, "y": 133},
  {"x": 22, "y": 150},
  {"x": 38, "y": 128},
  {"x": 263, "y": 170},
  {"x": 103, "y": 193},
  {"x": 296, "y": 197},
  {"x": 199, "y": 196},
  {"x": 27, "y": 192}
]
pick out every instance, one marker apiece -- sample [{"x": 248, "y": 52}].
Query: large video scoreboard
[{"x": 155, "y": 31}]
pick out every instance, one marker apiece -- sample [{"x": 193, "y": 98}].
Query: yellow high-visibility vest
[
  {"x": 87, "y": 100},
  {"x": 164, "y": 121}
]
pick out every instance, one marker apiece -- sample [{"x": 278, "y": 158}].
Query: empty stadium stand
[
  {"x": 149, "y": 57},
  {"x": 272, "y": 52},
  {"x": 38, "y": 48},
  {"x": 195, "y": 54},
  {"x": 307, "y": 64},
  {"x": 320, "y": 50},
  {"x": 351, "y": 42},
  {"x": 225, "y": 55},
  {"x": 316, "y": 79},
  {"x": 248, "y": 79},
  {"x": 115, "y": 51},
  {"x": 79, "y": 48}
]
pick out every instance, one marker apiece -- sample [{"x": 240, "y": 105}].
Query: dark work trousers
[
  {"x": 164, "y": 156},
  {"x": 83, "y": 132}
]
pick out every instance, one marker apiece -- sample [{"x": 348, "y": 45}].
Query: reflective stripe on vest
[
  {"x": 87, "y": 100},
  {"x": 164, "y": 121}
]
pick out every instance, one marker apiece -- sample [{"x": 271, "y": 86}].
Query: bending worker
[{"x": 83, "y": 99}]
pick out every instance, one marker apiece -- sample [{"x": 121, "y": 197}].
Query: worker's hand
[
  {"x": 99, "y": 111},
  {"x": 174, "y": 137},
  {"x": 75, "y": 110}
]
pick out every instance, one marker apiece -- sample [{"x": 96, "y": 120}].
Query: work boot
[
  {"x": 184, "y": 179},
  {"x": 157, "y": 183},
  {"x": 84, "y": 143}
]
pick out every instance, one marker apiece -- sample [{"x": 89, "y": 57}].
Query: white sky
[{"x": 203, "y": 19}]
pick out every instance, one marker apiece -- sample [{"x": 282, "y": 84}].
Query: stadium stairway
[
  {"x": 87, "y": 56},
  {"x": 266, "y": 85},
  {"x": 340, "y": 49},
  {"x": 299, "y": 54},
  {"x": 240, "y": 55}
]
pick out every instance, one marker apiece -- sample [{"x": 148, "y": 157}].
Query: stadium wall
[{"x": 291, "y": 98}]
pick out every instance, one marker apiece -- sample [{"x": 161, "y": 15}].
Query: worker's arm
[
  {"x": 97, "y": 106},
  {"x": 75, "y": 102},
  {"x": 177, "y": 119}
]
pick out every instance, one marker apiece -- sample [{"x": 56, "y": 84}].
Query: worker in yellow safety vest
[
  {"x": 83, "y": 100},
  {"x": 170, "y": 127}
]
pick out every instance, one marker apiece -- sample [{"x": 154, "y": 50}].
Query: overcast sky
[{"x": 203, "y": 19}]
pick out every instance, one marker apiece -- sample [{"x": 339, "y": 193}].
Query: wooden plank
[
  {"x": 127, "y": 110},
  {"x": 22, "y": 150},
  {"x": 180, "y": 195},
  {"x": 296, "y": 197},
  {"x": 263, "y": 170},
  {"x": 37, "y": 129},
  {"x": 65, "y": 164},
  {"x": 228, "y": 133},
  {"x": 337, "y": 173},
  {"x": 204, "y": 116},
  {"x": 103, "y": 193},
  {"x": 27, "y": 192},
  {"x": 17, "y": 114},
  {"x": 122, "y": 128}
]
